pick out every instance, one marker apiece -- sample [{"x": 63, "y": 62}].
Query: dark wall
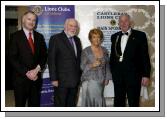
[{"x": 10, "y": 27}]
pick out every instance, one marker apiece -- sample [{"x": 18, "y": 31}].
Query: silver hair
[
  {"x": 126, "y": 15},
  {"x": 68, "y": 20}
]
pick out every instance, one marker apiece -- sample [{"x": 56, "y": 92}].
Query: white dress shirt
[{"x": 124, "y": 40}]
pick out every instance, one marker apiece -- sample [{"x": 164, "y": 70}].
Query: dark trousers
[
  {"x": 126, "y": 85},
  {"x": 27, "y": 91},
  {"x": 65, "y": 97}
]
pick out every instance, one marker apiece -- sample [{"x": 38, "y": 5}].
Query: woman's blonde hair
[{"x": 95, "y": 31}]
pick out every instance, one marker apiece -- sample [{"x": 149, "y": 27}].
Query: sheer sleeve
[{"x": 85, "y": 65}]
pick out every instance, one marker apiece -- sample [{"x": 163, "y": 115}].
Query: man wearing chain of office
[{"x": 129, "y": 63}]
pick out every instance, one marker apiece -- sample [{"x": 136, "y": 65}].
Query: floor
[{"x": 9, "y": 100}]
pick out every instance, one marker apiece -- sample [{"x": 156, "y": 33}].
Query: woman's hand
[{"x": 106, "y": 82}]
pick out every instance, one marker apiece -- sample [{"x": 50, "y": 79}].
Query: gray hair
[
  {"x": 68, "y": 20},
  {"x": 126, "y": 15}
]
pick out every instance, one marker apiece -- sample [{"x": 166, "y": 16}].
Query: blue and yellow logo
[{"x": 37, "y": 10}]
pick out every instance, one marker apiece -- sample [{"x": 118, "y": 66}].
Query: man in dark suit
[
  {"x": 64, "y": 64},
  {"x": 27, "y": 55},
  {"x": 130, "y": 63}
]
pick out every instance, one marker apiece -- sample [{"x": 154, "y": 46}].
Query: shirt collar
[
  {"x": 27, "y": 33},
  {"x": 129, "y": 30}
]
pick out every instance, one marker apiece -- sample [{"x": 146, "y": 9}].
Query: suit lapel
[
  {"x": 77, "y": 46},
  {"x": 67, "y": 43},
  {"x": 36, "y": 44}
]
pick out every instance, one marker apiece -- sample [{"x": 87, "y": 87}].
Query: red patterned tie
[{"x": 31, "y": 42}]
